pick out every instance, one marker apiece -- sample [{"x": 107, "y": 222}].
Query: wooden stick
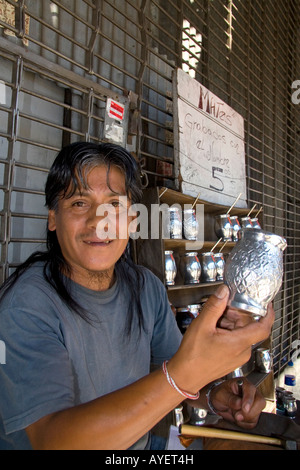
[
  {"x": 251, "y": 210},
  {"x": 164, "y": 191},
  {"x": 223, "y": 246},
  {"x": 200, "y": 431},
  {"x": 234, "y": 203},
  {"x": 216, "y": 244},
  {"x": 258, "y": 212},
  {"x": 194, "y": 203}
]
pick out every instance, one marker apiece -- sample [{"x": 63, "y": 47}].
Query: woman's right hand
[{"x": 208, "y": 352}]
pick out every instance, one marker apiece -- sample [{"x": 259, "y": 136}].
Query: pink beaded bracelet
[{"x": 173, "y": 384}]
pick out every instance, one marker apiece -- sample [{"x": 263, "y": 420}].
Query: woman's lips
[{"x": 97, "y": 242}]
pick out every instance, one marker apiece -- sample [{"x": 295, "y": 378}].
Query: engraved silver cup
[{"x": 253, "y": 271}]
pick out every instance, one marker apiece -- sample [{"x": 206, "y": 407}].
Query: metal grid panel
[{"x": 61, "y": 59}]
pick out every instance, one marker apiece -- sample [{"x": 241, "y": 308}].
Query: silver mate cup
[
  {"x": 208, "y": 267},
  {"x": 253, "y": 271},
  {"x": 190, "y": 224},
  {"x": 223, "y": 227},
  {"x": 190, "y": 268},
  {"x": 220, "y": 266},
  {"x": 170, "y": 268},
  {"x": 172, "y": 223},
  {"x": 236, "y": 227}
]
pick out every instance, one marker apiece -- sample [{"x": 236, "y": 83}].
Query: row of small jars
[
  {"x": 184, "y": 224},
  {"x": 205, "y": 267},
  {"x": 227, "y": 227}
]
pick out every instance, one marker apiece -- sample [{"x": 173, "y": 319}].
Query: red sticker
[{"x": 115, "y": 110}]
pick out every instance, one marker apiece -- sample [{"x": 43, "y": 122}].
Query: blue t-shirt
[{"x": 56, "y": 360}]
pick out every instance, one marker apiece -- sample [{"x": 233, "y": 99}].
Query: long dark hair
[{"x": 69, "y": 172}]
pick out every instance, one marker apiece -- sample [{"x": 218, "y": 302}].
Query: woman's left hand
[{"x": 243, "y": 408}]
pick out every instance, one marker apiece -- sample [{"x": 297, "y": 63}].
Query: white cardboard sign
[{"x": 210, "y": 156}]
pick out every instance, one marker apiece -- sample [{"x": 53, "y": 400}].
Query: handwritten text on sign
[{"x": 211, "y": 145}]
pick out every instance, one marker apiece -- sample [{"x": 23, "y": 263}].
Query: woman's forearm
[{"x": 114, "y": 421}]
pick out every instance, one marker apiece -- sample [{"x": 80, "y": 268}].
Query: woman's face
[{"x": 92, "y": 227}]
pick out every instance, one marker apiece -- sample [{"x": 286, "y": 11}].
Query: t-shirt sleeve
[
  {"x": 36, "y": 379},
  {"x": 166, "y": 337}
]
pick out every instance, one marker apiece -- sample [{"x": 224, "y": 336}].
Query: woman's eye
[
  {"x": 113, "y": 205},
  {"x": 78, "y": 204},
  {"x": 119, "y": 205}
]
